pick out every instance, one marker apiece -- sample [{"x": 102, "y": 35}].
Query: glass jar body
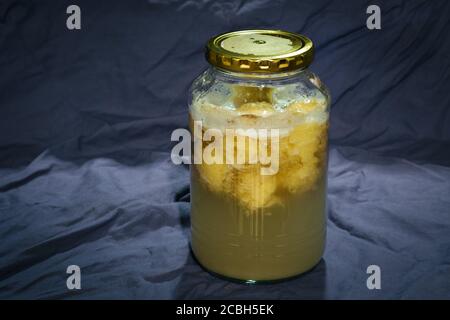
[{"x": 258, "y": 178}]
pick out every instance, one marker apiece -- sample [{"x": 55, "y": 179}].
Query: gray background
[{"x": 85, "y": 123}]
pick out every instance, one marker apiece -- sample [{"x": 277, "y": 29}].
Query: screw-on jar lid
[{"x": 260, "y": 51}]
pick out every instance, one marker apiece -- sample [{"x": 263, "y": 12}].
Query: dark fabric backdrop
[{"x": 85, "y": 123}]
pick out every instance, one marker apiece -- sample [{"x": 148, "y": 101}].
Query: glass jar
[{"x": 259, "y": 122}]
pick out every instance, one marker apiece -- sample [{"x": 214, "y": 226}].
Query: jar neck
[{"x": 257, "y": 76}]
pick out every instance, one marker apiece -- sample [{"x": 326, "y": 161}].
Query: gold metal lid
[{"x": 260, "y": 51}]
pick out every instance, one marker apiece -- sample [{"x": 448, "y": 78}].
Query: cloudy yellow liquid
[{"x": 255, "y": 227}]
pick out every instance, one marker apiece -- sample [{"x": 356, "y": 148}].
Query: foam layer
[{"x": 259, "y": 115}]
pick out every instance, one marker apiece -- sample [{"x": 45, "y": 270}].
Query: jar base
[{"x": 249, "y": 281}]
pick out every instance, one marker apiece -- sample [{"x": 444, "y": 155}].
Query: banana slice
[
  {"x": 213, "y": 175},
  {"x": 304, "y": 106},
  {"x": 246, "y": 94},
  {"x": 256, "y": 108},
  {"x": 300, "y": 178},
  {"x": 302, "y": 157},
  {"x": 254, "y": 190}
]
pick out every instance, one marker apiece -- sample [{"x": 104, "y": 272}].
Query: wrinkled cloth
[{"x": 85, "y": 172}]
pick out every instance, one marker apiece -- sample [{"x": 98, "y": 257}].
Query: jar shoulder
[{"x": 218, "y": 87}]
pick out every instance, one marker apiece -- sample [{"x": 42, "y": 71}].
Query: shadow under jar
[{"x": 259, "y": 122}]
